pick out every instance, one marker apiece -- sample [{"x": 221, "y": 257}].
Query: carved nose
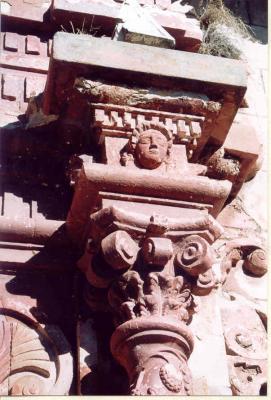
[{"x": 153, "y": 146}]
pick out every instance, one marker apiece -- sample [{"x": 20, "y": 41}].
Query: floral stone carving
[{"x": 150, "y": 268}]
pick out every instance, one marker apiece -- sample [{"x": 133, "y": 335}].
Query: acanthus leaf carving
[
  {"x": 150, "y": 267},
  {"x": 158, "y": 295}
]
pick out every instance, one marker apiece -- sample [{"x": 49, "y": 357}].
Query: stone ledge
[
  {"x": 82, "y": 55},
  {"x": 172, "y": 64}
]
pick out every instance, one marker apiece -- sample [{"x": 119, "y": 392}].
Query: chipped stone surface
[
  {"x": 252, "y": 198},
  {"x": 138, "y": 26},
  {"x": 153, "y": 212},
  {"x": 207, "y": 328}
]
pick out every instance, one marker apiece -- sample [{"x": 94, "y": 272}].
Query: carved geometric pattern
[{"x": 119, "y": 121}]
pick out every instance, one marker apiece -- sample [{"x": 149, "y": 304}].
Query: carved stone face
[{"x": 151, "y": 149}]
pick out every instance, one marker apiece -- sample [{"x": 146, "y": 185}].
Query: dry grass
[
  {"x": 223, "y": 31},
  {"x": 221, "y": 41},
  {"x": 216, "y": 14},
  {"x": 83, "y": 30}
]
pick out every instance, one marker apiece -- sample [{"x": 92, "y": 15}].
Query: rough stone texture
[
  {"x": 210, "y": 374},
  {"x": 157, "y": 249},
  {"x": 138, "y": 26},
  {"x": 101, "y": 18},
  {"x": 254, "y": 192}
]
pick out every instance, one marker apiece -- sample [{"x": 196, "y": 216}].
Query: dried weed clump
[{"x": 223, "y": 32}]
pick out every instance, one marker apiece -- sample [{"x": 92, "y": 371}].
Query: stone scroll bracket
[
  {"x": 180, "y": 191},
  {"x": 199, "y": 112}
]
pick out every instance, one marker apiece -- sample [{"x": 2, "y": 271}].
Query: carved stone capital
[{"x": 150, "y": 267}]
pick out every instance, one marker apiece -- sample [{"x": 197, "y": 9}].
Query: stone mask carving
[
  {"x": 148, "y": 147},
  {"x": 151, "y": 149}
]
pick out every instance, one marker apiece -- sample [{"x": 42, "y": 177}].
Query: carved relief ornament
[{"x": 151, "y": 269}]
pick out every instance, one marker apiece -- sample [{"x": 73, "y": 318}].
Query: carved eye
[{"x": 145, "y": 141}]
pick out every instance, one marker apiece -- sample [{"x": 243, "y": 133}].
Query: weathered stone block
[
  {"x": 32, "y": 45},
  {"x": 173, "y": 70},
  {"x": 186, "y": 32},
  {"x": 11, "y": 41},
  {"x": 138, "y": 26},
  {"x": 86, "y": 15},
  {"x": 30, "y": 14}
]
